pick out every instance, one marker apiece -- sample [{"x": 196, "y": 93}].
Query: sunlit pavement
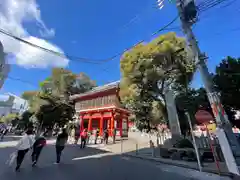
[{"x": 90, "y": 164}]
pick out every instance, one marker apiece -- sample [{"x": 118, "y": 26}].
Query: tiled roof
[{"x": 96, "y": 89}]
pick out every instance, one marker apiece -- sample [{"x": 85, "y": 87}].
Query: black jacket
[{"x": 62, "y": 139}]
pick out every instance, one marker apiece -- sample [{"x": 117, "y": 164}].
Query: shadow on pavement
[
  {"x": 70, "y": 155},
  {"x": 89, "y": 163},
  {"x": 154, "y": 155}
]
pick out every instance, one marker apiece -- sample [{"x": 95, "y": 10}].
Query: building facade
[
  {"x": 101, "y": 109},
  {"x": 12, "y": 104}
]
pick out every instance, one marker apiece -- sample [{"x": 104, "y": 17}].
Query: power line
[
  {"x": 85, "y": 60},
  {"x": 73, "y": 58},
  {"x": 138, "y": 16},
  {"x": 210, "y": 4},
  {"x": 23, "y": 81},
  {"x": 153, "y": 34}
]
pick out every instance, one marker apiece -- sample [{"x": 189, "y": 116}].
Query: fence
[
  {"x": 147, "y": 146},
  {"x": 142, "y": 143}
]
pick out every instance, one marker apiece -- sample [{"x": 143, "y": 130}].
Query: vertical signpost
[
  {"x": 194, "y": 143},
  {"x": 204, "y": 117}
]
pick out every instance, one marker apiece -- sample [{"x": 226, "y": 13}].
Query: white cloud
[{"x": 13, "y": 14}]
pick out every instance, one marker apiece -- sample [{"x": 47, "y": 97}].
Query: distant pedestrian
[
  {"x": 60, "y": 144},
  {"x": 37, "y": 147},
  {"x": 96, "y": 136},
  {"x": 114, "y": 135},
  {"x": 84, "y": 137},
  {"x": 105, "y": 137},
  {"x": 23, "y": 146},
  {"x": 77, "y": 134},
  {"x": 4, "y": 132}
]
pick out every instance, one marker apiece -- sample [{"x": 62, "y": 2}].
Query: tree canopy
[
  {"x": 9, "y": 118},
  {"x": 51, "y": 104},
  {"x": 147, "y": 69},
  {"x": 227, "y": 81}
]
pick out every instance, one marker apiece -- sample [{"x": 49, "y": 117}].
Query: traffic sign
[{"x": 203, "y": 117}]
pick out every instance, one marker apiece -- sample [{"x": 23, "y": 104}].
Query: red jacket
[{"x": 83, "y": 134}]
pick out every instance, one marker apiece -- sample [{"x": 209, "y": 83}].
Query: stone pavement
[
  {"x": 89, "y": 163},
  {"x": 138, "y": 147}
]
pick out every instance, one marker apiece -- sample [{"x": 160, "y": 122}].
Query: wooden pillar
[
  {"x": 101, "y": 125},
  {"x": 112, "y": 124},
  {"x": 90, "y": 122}
]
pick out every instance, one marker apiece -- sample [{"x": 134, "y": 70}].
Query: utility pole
[{"x": 228, "y": 141}]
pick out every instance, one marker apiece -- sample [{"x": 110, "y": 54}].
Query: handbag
[{"x": 11, "y": 159}]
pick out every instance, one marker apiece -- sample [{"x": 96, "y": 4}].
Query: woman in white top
[{"x": 23, "y": 146}]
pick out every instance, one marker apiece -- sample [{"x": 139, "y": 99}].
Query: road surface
[{"x": 90, "y": 164}]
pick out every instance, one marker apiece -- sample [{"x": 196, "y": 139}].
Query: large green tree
[
  {"x": 9, "y": 118},
  {"x": 147, "y": 69},
  {"x": 227, "y": 83},
  {"x": 51, "y": 103}
]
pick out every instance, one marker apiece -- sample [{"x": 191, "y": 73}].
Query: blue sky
[{"x": 100, "y": 29}]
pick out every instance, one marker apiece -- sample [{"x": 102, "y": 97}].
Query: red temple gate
[{"x": 101, "y": 109}]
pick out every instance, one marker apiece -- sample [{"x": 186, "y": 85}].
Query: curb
[{"x": 223, "y": 174}]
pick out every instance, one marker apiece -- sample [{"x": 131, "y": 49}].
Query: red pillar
[
  {"x": 101, "y": 125},
  {"x": 90, "y": 122},
  {"x": 112, "y": 124}
]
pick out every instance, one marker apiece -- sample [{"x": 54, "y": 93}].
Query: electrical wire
[
  {"x": 202, "y": 7},
  {"x": 85, "y": 60},
  {"x": 138, "y": 16},
  {"x": 73, "y": 58},
  {"x": 210, "y": 4},
  {"x": 141, "y": 41},
  {"x": 20, "y": 80}
]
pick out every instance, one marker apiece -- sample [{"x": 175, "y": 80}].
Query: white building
[{"x": 11, "y": 103}]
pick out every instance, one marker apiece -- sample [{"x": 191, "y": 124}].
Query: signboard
[
  {"x": 203, "y": 117},
  {"x": 212, "y": 128}
]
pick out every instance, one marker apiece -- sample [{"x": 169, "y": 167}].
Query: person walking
[
  {"x": 83, "y": 138},
  {"x": 106, "y": 135},
  {"x": 77, "y": 134},
  {"x": 23, "y": 146},
  {"x": 96, "y": 136},
  {"x": 4, "y": 132},
  {"x": 37, "y": 147},
  {"x": 61, "y": 141}
]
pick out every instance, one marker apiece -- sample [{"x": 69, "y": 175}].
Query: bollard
[{"x": 136, "y": 148}]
